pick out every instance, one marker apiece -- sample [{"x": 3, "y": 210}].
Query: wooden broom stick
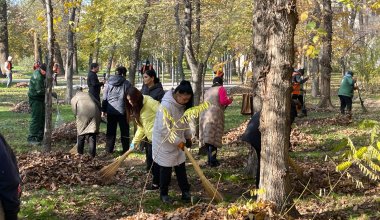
[{"x": 210, "y": 189}]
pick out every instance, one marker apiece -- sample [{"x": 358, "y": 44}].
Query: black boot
[{"x": 212, "y": 161}]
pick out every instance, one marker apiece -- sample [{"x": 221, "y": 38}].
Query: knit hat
[
  {"x": 217, "y": 81},
  {"x": 43, "y": 67}
]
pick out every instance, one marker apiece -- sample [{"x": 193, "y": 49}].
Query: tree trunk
[
  {"x": 325, "y": 60},
  {"x": 314, "y": 72},
  {"x": 58, "y": 57},
  {"x": 197, "y": 38},
  {"x": 4, "y": 47},
  {"x": 37, "y": 47},
  {"x": 70, "y": 55},
  {"x": 49, "y": 78},
  {"x": 181, "y": 49},
  {"x": 276, "y": 24},
  {"x": 75, "y": 58},
  {"x": 313, "y": 64},
  {"x": 137, "y": 43},
  {"x": 110, "y": 59}
]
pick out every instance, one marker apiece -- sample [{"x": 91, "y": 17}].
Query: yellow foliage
[
  {"x": 343, "y": 166},
  {"x": 304, "y": 16}
]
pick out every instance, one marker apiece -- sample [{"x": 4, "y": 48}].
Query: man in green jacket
[
  {"x": 346, "y": 92},
  {"x": 36, "y": 96}
]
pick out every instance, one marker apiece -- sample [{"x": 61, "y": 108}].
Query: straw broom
[
  {"x": 74, "y": 149},
  {"x": 110, "y": 170},
  {"x": 210, "y": 189}
]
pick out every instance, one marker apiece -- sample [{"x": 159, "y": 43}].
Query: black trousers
[
  {"x": 91, "y": 142},
  {"x": 166, "y": 176},
  {"x": 258, "y": 152},
  {"x": 211, "y": 153},
  {"x": 345, "y": 101},
  {"x": 112, "y": 121},
  {"x": 151, "y": 166}
]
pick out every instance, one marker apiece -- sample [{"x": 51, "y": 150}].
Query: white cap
[{"x": 9, "y": 58}]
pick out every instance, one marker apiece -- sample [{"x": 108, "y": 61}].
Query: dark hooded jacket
[
  {"x": 9, "y": 180},
  {"x": 156, "y": 91},
  {"x": 114, "y": 95}
]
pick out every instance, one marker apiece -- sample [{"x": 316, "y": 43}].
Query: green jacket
[
  {"x": 147, "y": 116},
  {"x": 347, "y": 86},
  {"x": 37, "y": 86}
]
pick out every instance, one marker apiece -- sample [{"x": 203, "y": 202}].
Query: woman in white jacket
[{"x": 168, "y": 152}]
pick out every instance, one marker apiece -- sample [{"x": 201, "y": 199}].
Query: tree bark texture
[
  {"x": 49, "y": 78},
  {"x": 313, "y": 64},
  {"x": 277, "y": 20},
  {"x": 70, "y": 56},
  {"x": 181, "y": 48},
  {"x": 37, "y": 47},
  {"x": 325, "y": 60},
  {"x": 137, "y": 43},
  {"x": 58, "y": 58},
  {"x": 4, "y": 47}
]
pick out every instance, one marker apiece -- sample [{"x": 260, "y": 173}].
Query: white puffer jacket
[{"x": 165, "y": 152}]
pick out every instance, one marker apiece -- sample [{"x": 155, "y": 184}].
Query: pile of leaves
[
  {"x": 233, "y": 135},
  {"x": 51, "y": 170},
  {"x": 342, "y": 121},
  {"x": 21, "y": 84},
  {"x": 297, "y": 138},
  {"x": 200, "y": 211},
  {"x": 21, "y": 107},
  {"x": 68, "y": 132}
]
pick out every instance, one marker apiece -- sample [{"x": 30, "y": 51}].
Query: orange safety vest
[{"x": 296, "y": 88}]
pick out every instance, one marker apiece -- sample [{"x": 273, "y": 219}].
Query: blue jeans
[{"x": 9, "y": 76}]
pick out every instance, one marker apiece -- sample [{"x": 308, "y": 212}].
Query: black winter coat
[
  {"x": 114, "y": 95},
  {"x": 94, "y": 85},
  {"x": 9, "y": 180},
  {"x": 156, "y": 91}
]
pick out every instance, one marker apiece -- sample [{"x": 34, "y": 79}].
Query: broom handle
[{"x": 205, "y": 181}]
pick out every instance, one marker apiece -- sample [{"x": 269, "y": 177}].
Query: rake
[{"x": 210, "y": 189}]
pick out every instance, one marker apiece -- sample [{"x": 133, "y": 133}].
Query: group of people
[{"x": 123, "y": 103}]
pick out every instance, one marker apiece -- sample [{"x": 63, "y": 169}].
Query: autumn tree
[
  {"x": 3, "y": 33},
  {"x": 274, "y": 25},
  {"x": 326, "y": 55},
  {"x": 49, "y": 73}
]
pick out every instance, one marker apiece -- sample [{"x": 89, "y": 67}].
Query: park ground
[{"x": 58, "y": 185}]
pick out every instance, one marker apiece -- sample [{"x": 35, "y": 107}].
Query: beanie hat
[
  {"x": 217, "y": 81},
  {"x": 43, "y": 67}
]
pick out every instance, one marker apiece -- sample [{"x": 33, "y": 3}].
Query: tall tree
[
  {"x": 49, "y": 73},
  {"x": 70, "y": 52},
  {"x": 4, "y": 50},
  {"x": 326, "y": 56},
  {"x": 137, "y": 43},
  {"x": 276, "y": 21},
  {"x": 37, "y": 47},
  {"x": 196, "y": 65},
  {"x": 181, "y": 48}
]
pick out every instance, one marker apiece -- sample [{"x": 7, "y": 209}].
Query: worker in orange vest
[{"x": 298, "y": 92}]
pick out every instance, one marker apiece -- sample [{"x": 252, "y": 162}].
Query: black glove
[{"x": 188, "y": 143}]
